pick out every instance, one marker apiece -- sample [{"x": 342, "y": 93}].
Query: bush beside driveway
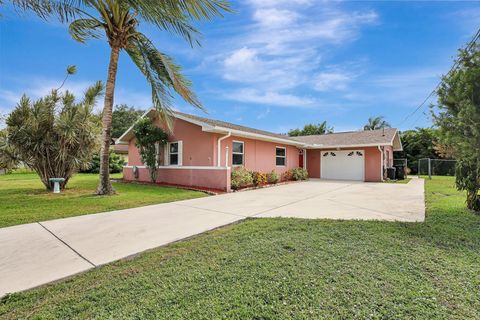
[{"x": 288, "y": 268}]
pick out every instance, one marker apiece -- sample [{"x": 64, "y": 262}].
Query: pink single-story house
[{"x": 201, "y": 152}]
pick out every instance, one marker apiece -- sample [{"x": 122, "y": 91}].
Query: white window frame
[
  {"x": 242, "y": 153},
  {"x": 179, "y": 153},
  {"x": 285, "y": 157}
]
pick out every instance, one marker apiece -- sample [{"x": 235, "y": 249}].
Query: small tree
[
  {"x": 149, "y": 140},
  {"x": 9, "y": 158},
  {"x": 54, "y": 136},
  {"x": 123, "y": 117},
  {"x": 459, "y": 120},
  {"x": 311, "y": 129}
]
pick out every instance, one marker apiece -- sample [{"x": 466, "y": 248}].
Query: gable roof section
[
  {"x": 218, "y": 126},
  {"x": 388, "y": 136},
  {"x": 228, "y": 125}
]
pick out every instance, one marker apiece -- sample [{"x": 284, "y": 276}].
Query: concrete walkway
[{"x": 37, "y": 253}]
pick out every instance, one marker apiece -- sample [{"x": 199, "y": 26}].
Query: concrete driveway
[{"x": 37, "y": 253}]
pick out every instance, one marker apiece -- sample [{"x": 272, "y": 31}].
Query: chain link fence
[{"x": 436, "y": 167}]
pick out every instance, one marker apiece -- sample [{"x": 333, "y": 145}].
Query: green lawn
[
  {"x": 288, "y": 268},
  {"x": 404, "y": 181},
  {"x": 23, "y": 198}
]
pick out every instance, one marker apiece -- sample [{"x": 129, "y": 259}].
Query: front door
[{"x": 300, "y": 159}]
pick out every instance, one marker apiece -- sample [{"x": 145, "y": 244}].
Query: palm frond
[
  {"x": 92, "y": 93},
  {"x": 177, "y": 15},
  {"x": 84, "y": 29},
  {"x": 194, "y": 9},
  {"x": 162, "y": 73},
  {"x": 161, "y": 97},
  {"x": 63, "y": 10}
]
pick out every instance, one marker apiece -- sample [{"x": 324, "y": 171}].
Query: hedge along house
[{"x": 201, "y": 152}]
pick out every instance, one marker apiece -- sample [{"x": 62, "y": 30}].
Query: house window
[
  {"x": 238, "y": 153},
  {"x": 280, "y": 156},
  {"x": 173, "y": 154}
]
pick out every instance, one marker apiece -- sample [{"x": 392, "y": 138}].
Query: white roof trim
[
  {"x": 120, "y": 139},
  {"x": 323, "y": 146}
]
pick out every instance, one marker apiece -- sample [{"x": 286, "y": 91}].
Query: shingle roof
[
  {"x": 339, "y": 139},
  {"x": 233, "y": 126}
]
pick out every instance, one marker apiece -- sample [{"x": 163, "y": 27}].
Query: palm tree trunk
[{"x": 104, "y": 185}]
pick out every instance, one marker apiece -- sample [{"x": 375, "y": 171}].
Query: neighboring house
[
  {"x": 121, "y": 150},
  {"x": 202, "y": 152}
]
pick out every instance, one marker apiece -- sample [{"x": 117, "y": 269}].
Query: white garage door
[{"x": 343, "y": 165}]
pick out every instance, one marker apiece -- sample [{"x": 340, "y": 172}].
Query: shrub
[
  {"x": 116, "y": 164},
  {"x": 55, "y": 136},
  {"x": 299, "y": 174},
  {"x": 272, "y": 177},
  {"x": 259, "y": 178},
  {"x": 286, "y": 176},
  {"x": 241, "y": 178}
]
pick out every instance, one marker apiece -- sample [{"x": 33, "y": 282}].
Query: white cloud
[
  {"x": 283, "y": 47},
  {"x": 271, "y": 3},
  {"x": 263, "y": 114},
  {"x": 270, "y": 98},
  {"x": 38, "y": 87},
  {"x": 274, "y": 18},
  {"x": 326, "y": 81},
  {"x": 241, "y": 64},
  {"x": 392, "y": 89}
]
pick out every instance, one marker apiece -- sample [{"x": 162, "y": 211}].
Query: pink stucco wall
[
  {"x": 260, "y": 155},
  {"x": 372, "y": 162},
  {"x": 218, "y": 179},
  {"x": 198, "y": 146},
  {"x": 200, "y": 149},
  {"x": 388, "y": 156}
]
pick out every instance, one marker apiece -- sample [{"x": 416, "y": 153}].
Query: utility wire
[{"x": 454, "y": 66}]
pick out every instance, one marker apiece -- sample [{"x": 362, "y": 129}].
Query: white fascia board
[
  {"x": 321, "y": 146},
  {"x": 120, "y": 140}
]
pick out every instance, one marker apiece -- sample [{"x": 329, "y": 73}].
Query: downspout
[
  {"x": 381, "y": 163},
  {"x": 219, "y": 143}
]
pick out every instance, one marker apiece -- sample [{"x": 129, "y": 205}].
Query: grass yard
[
  {"x": 288, "y": 268},
  {"x": 404, "y": 181},
  {"x": 23, "y": 198}
]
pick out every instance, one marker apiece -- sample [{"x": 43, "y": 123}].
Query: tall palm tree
[
  {"x": 375, "y": 123},
  {"x": 118, "y": 21}
]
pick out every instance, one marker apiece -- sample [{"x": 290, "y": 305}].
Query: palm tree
[
  {"x": 118, "y": 21},
  {"x": 375, "y": 123}
]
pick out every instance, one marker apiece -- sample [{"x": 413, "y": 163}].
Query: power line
[{"x": 454, "y": 66}]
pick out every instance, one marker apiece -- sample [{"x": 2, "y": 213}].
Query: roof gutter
[
  {"x": 219, "y": 143},
  {"x": 382, "y": 162}
]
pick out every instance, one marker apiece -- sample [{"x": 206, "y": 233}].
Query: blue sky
[{"x": 273, "y": 65}]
